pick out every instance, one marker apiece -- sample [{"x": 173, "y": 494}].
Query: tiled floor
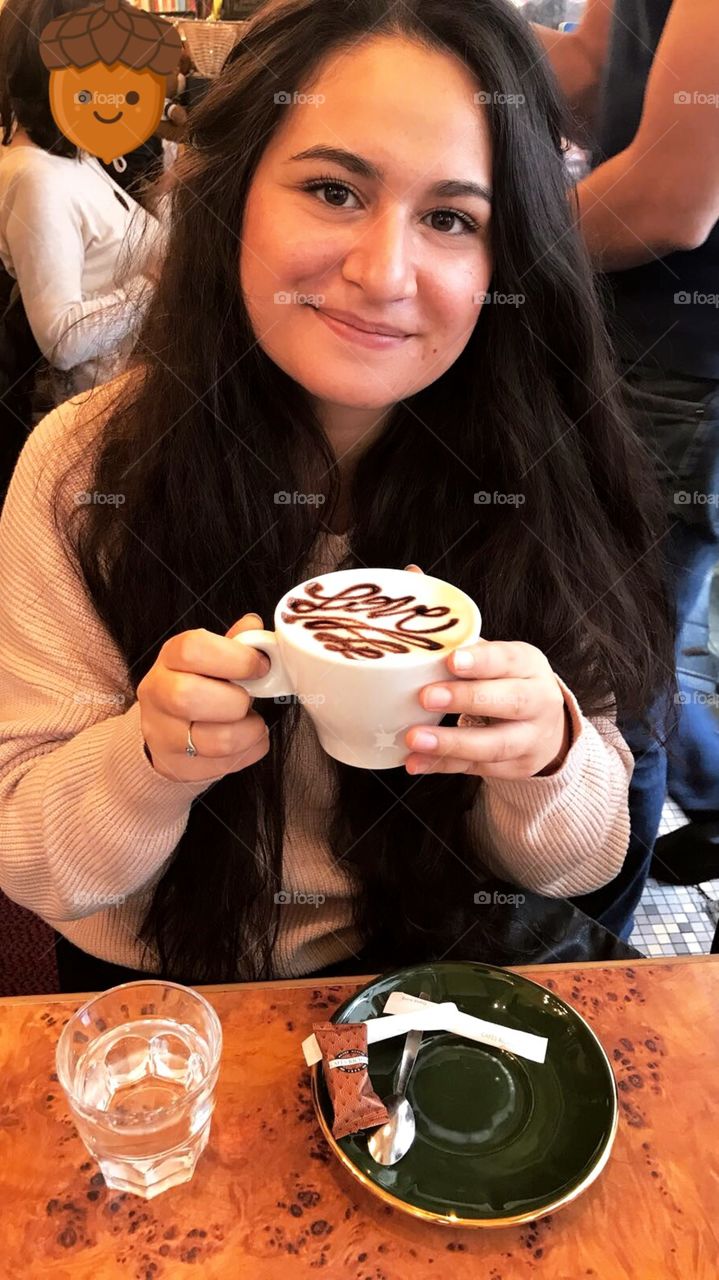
[{"x": 676, "y": 921}]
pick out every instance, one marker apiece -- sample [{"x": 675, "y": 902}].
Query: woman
[
  {"x": 83, "y": 252},
  {"x": 483, "y": 444}
]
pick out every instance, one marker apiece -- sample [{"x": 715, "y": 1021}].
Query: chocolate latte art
[{"x": 344, "y": 623}]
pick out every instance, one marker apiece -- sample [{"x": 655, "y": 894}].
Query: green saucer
[{"x": 499, "y": 1139}]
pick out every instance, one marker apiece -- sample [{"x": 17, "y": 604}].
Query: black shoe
[{"x": 688, "y": 855}]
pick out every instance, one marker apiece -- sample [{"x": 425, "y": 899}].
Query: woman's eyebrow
[{"x": 366, "y": 169}]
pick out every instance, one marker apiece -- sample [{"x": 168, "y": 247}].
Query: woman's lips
[{"x": 376, "y": 341}]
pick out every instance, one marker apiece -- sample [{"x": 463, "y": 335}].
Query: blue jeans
[{"x": 678, "y": 418}]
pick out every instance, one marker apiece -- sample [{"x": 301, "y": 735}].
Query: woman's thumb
[
  {"x": 413, "y": 568},
  {"x": 248, "y": 622}
]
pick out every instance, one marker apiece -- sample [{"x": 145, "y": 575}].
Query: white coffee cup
[{"x": 362, "y": 706}]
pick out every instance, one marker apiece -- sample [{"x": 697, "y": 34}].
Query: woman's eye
[
  {"x": 450, "y": 216},
  {"x": 336, "y": 194}
]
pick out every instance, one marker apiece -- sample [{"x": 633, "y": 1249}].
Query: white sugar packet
[
  {"x": 405, "y": 1013},
  {"x": 523, "y": 1043}
]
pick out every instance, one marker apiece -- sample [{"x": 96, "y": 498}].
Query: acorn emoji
[{"x": 108, "y": 67}]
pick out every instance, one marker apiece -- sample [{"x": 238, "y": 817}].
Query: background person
[
  {"x": 641, "y": 77},
  {"x": 84, "y": 254}
]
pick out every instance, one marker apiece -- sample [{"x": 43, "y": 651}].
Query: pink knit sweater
[{"x": 87, "y": 825}]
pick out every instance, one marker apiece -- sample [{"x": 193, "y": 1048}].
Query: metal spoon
[{"x": 393, "y": 1140}]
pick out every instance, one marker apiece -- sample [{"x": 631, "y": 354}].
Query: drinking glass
[{"x": 139, "y": 1065}]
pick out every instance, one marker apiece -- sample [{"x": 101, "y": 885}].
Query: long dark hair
[
  {"x": 24, "y": 78},
  {"x": 210, "y": 429}
]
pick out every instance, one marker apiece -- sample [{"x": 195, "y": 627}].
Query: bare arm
[
  {"x": 661, "y": 193},
  {"x": 578, "y": 58}
]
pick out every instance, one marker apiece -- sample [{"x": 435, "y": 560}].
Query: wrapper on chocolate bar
[{"x": 344, "y": 1062}]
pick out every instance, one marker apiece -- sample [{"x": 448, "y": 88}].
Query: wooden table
[{"x": 269, "y": 1200}]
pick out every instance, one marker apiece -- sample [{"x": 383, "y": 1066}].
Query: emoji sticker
[{"x": 108, "y": 67}]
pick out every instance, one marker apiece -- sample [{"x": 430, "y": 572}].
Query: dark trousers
[{"x": 678, "y": 418}]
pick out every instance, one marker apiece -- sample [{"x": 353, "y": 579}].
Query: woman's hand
[
  {"x": 513, "y": 684},
  {"x": 189, "y": 683}
]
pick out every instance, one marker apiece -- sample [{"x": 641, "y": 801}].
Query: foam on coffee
[{"x": 363, "y": 621}]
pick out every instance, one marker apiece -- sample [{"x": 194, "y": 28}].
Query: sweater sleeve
[
  {"x": 567, "y": 833},
  {"x": 83, "y": 814},
  {"x": 44, "y": 234}
]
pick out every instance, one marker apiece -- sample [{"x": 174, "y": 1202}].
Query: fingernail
[
  {"x": 437, "y": 697},
  {"x": 463, "y": 660},
  {"x": 419, "y": 766},
  {"x": 407, "y": 567},
  {"x": 423, "y": 741},
  {"x": 254, "y": 617}
]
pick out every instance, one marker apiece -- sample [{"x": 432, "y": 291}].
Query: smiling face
[
  {"x": 107, "y": 111},
  {"x": 361, "y": 233}
]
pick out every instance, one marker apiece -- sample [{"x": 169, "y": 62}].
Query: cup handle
[{"x": 277, "y": 682}]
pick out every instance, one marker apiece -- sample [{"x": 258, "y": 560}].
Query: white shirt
[{"x": 77, "y": 245}]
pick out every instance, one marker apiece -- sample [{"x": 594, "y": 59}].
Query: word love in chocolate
[{"x": 364, "y": 622}]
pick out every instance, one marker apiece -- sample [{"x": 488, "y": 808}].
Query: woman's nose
[{"x": 381, "y": 259}]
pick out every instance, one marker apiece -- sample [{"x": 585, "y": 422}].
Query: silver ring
[{"x": 190, "y": 749}]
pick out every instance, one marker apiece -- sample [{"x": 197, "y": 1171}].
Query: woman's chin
[
  {"x": 351, "y": 398},
  {"x": 353, "y": 386},
  {"x": 349, "y": 392}
]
